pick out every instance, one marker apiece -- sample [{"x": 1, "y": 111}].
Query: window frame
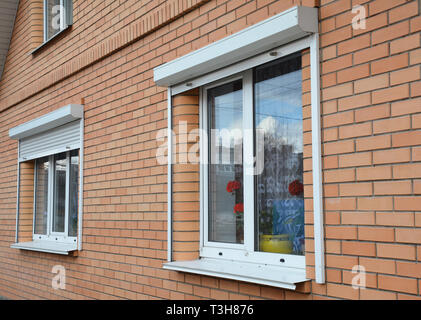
[
  {"x": 239, "y": 252},
  {"x": 64, "y": 19},
  {"x": 50, "y": 235}
]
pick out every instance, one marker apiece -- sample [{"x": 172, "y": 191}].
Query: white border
[{"x": 317, "y": 160}]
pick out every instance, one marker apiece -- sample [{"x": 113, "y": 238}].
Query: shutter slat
[{"x": 60, "y": 139}]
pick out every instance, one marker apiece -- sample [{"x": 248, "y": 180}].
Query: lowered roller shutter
[{"x": 60, "y": 139}]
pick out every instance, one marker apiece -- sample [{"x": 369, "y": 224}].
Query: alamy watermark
[
  {"x": 359, "y": 280},
  {"x": 225, "y": 147},
  {"x": 59, "y": 280},
  {"x": 359, "y": 20}
]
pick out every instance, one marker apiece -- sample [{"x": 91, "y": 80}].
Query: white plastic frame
[{"x": 54, "y": 236}]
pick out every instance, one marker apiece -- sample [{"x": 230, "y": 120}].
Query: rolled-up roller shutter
[{"x": 56, "y": 132}]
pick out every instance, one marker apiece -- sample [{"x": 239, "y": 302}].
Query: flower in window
[
  {"x": 233, "y": 185},
  {"x": 239, "y": 208},
  {"x": 295, "y": 188}
]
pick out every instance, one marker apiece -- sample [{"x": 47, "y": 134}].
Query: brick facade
[{"x": 371, "y": 148}]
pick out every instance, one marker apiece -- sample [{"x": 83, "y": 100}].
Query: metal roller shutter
[{"x": 60, "y": 139}]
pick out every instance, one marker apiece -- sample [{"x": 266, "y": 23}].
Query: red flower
[
  {"x": 239, "y": 208},
  {"x": 295, "y": 188},
  {"x": 236, "y": 185},
  {"x": 233, "y": 185},
  {"x": 229, "y": 187}
]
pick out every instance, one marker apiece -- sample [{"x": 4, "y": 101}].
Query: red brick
[
  {"x": 405, "y": 75},
  {"x": 378, "y": 234},
  {"x": 334, "y": 8},
  {"x": 392, "y": 156},
  {"x": 354, "y": 102},
  {"x": 407, "y": 203},
  {"x": 408, "y": 269},
  {"x": 415, "y": 57},
  {"x": 338, "y": 91},
  {"x": 374, "y": 173},
  {"x": 372, "y": 113},
  {"x": 395, "y": 219},
  {"x": 392, "y": 125},
  {"x": 403, "y": 12},
  {"x": 398, "y": 284},
  {"x": 338, "y": 147},
  {"x": 340, "y": 204},
  {"x": 409, "y": 235},
  {"x": 338, "y": 119},
  {"x": 378, "y": 265},
  {"x": 334, "y": 232},
  {"x": 343, "y": 175},
  {"x": 337, "y": 64},
  {"x": 406, "y": 107},
  {"x": 396, "y": 251},
  {"x": 370, "y": 54},
  {"x": 358, "y": 218},
  {"x": 373, "y": 143},
  {"x": 341, "y": 262},
  {"x": 354, "y": 73},
  {"x": 354, "y": 44},
  {"x": 355, "y": 160},
  {"x": 390, "y": 64},
  {"x": 371, "y": 294},
  {"x": 404, "y": 171},
  {"x": 336, "y": 36},
  {"x": 371, "y": 83},
  {"x": 391, "y": 32},
  {"x": 355, "y": 130},
  {"x": 411, "y": 138},
  {"x": 392, "y": 187},
  {"x": 405, "y": 44},
  {"x": 378, "y": 6}
]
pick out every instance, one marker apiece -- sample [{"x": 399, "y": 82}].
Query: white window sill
[
  {"x": 275, "y": 276},
  {"x": 46, "y": 246}
]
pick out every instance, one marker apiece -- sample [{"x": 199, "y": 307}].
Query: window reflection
[
  {"x": 279, "y": 188},
  {"x": 226, "y": 213}
]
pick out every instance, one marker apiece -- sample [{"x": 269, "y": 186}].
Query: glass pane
[
  {"x": 41, "y": 196},
  {"x": 74, "y": 192},
  {"x": 226, "y": 221},
  {"x": 279, "y": 191},
  {"x": 53, "y": 17},
  {"x": 59, "y": 204}
]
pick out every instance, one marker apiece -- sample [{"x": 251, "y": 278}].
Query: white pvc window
[
  {"x": 253, "y": 113},
  {"x": 56, "y": 197}
]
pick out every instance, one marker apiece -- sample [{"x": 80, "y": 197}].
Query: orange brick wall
[{"x": 371, "y": 119}]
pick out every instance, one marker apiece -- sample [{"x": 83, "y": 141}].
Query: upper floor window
[{"x": 57, "y": 17}]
